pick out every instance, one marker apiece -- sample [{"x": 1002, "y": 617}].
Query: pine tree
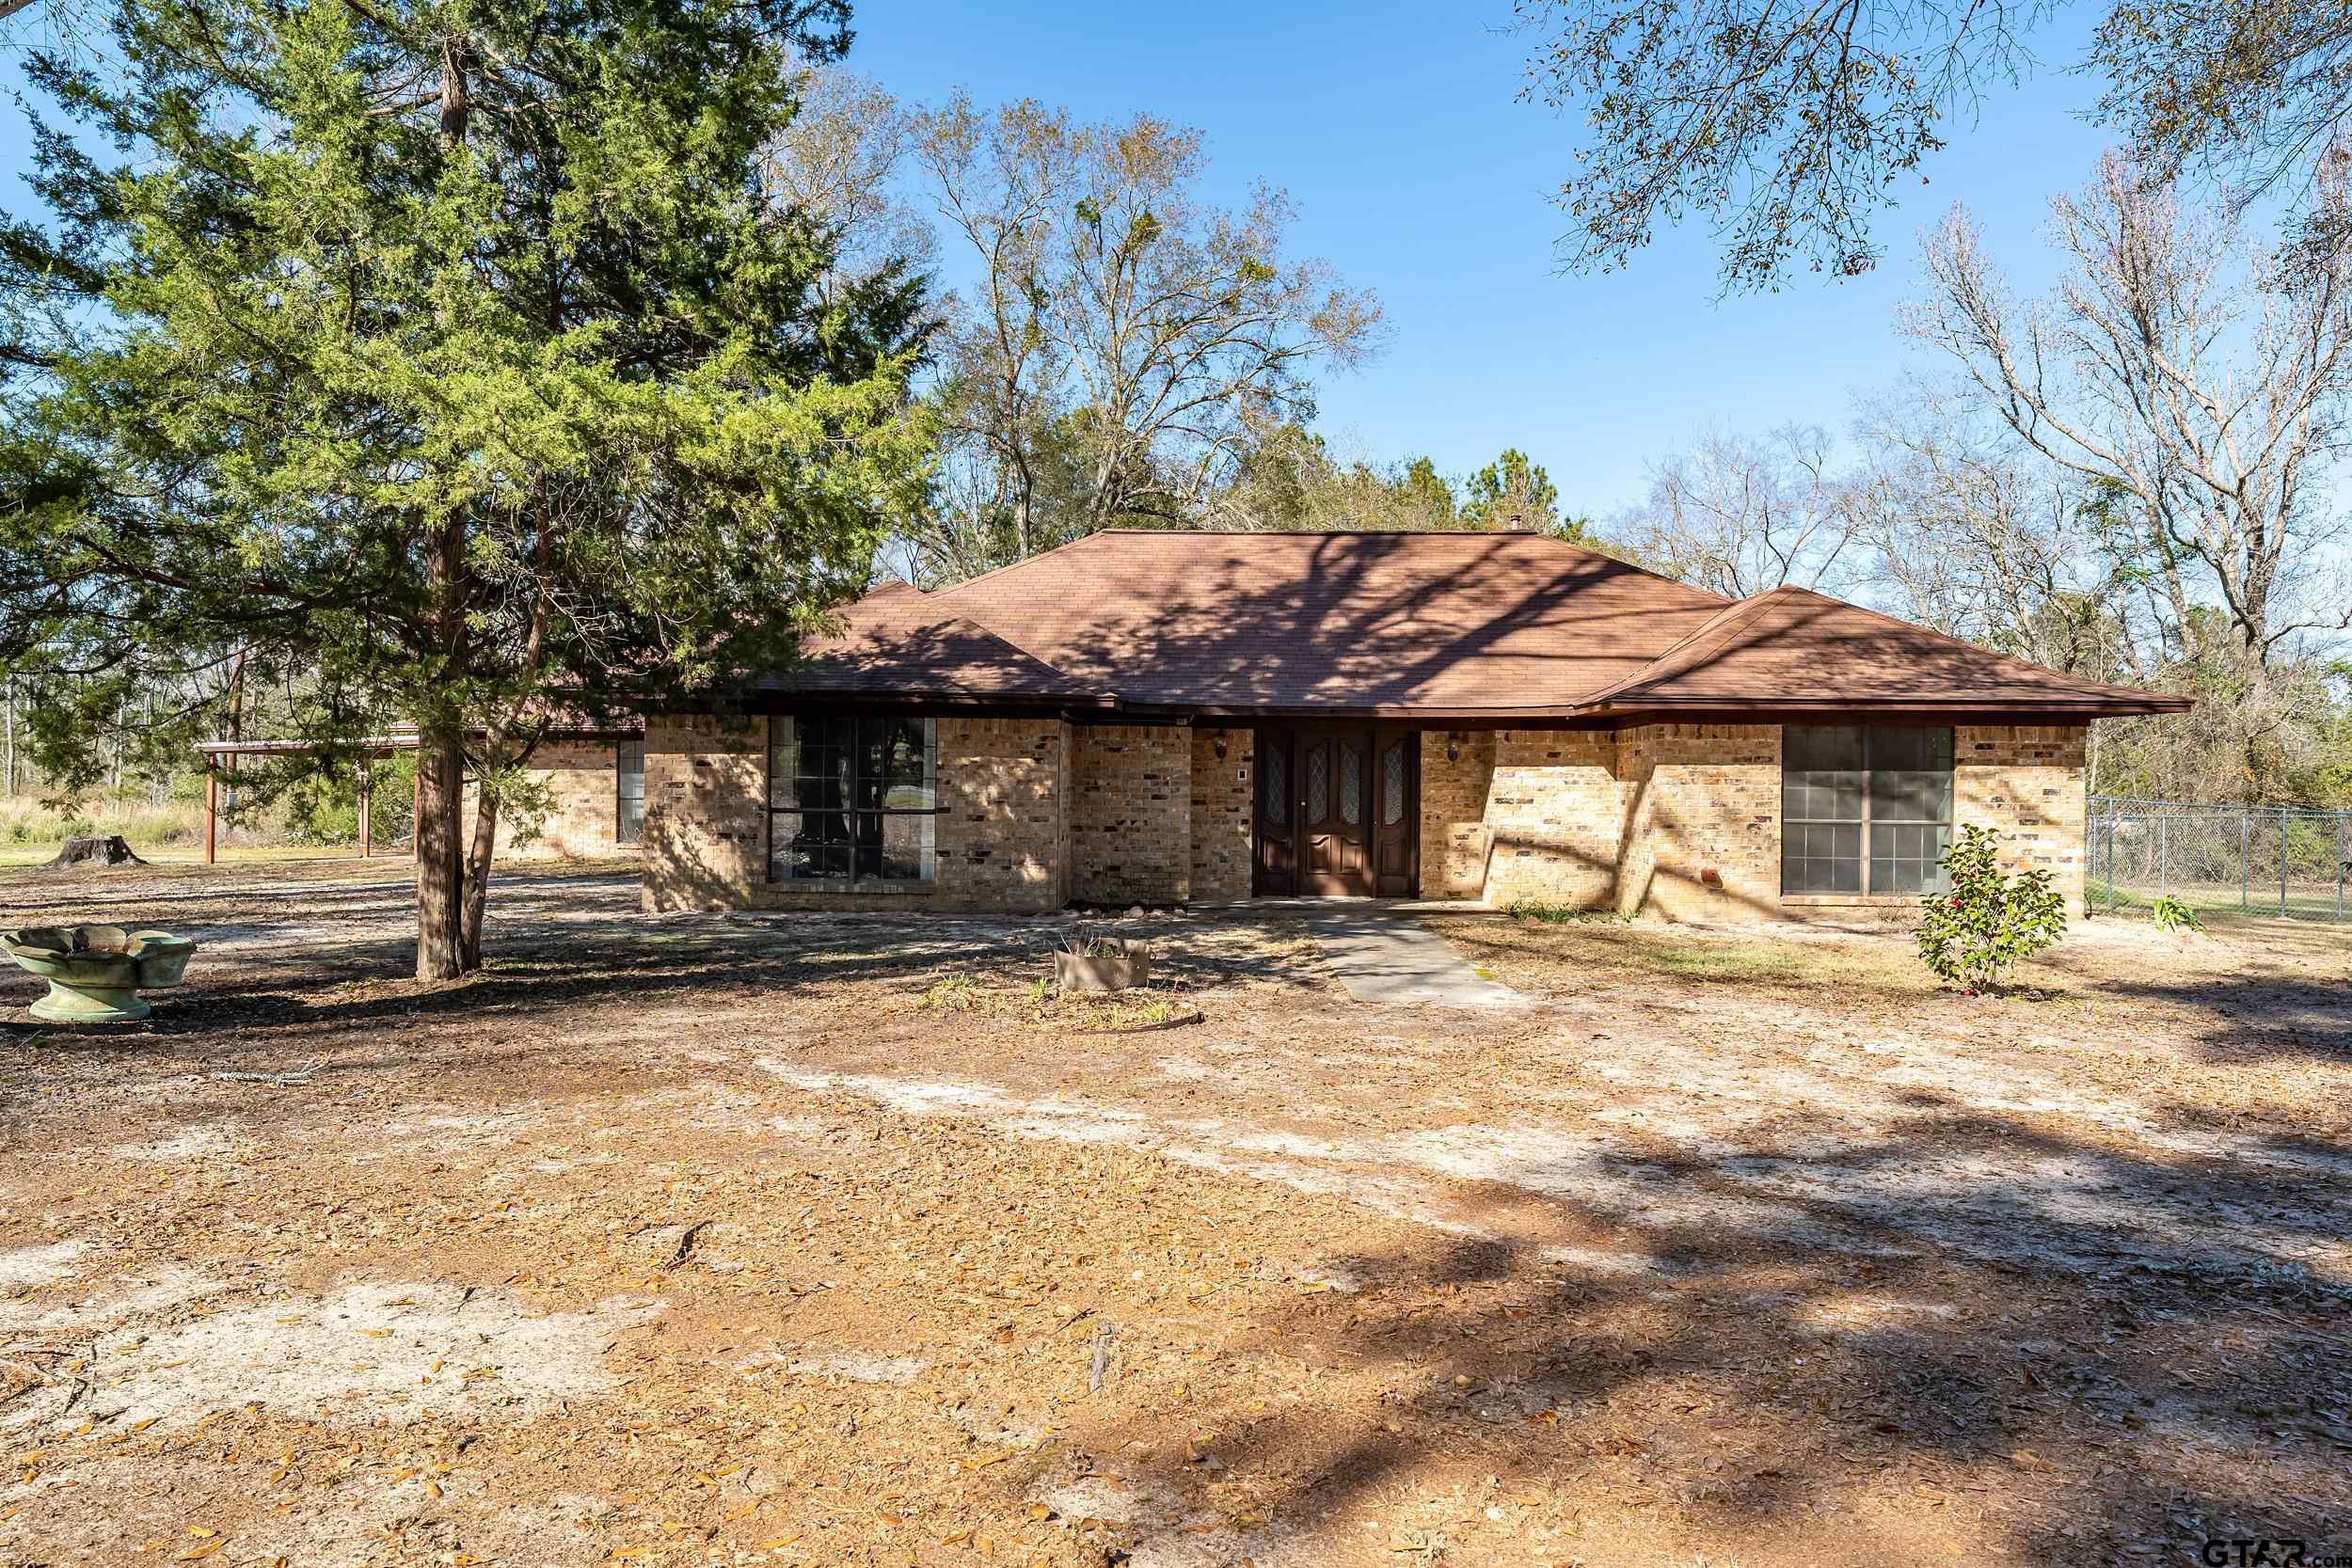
[
  {"x": 1512, "y": 493},
  {"x": 436, "y": 357}
]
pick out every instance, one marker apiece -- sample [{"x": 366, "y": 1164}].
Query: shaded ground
[{"x": 804, "y": 1240}]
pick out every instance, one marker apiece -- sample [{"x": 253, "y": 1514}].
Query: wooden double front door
[{"x": 1337, "y": 811}]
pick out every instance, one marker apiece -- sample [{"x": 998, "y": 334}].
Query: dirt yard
[{"x": 806, "y": 1240}]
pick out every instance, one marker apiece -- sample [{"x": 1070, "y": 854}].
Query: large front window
[
  {"x": 852, "y": 798},
  {"x": 1864, "y": 808}
]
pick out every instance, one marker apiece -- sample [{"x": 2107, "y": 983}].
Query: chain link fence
[{"x": 2266, "y": 860}]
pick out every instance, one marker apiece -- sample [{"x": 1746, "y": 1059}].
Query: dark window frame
[
  {"x": 853, "y": 814},
  {"x": 1925, "y": 741},
  {"x": 628, "y": 827}
]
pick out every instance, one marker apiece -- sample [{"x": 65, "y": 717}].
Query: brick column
[{"x": 705, "y": 812}]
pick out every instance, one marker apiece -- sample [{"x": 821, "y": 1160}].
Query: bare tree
[
  {"x": 1791, "y": 127},
  {"x": 1971, "y": 532},
  {"x": 840, "y": 162},
  {"x": 1738, "y": 516},
  {"x": 2195, "y": 385},
  {"x": 1126, "y": 340}
]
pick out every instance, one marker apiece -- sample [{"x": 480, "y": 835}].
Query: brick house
[{"x": 1148, "y": 717}]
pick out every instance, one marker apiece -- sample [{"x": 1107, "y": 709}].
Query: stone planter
[
  {"x": 1115, "y": 965},
  {"x": 95, "y": 972}
]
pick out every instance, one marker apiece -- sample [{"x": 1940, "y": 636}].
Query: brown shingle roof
[
  {"x": 1791, "y": 647},
  {"x": 1440, "y": 622},
  {"x": 898, "y": 642},
  {"x": 1464, "y": 625}
]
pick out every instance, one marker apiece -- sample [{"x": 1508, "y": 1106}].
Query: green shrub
[
  {"x": 2173, "y": 915},
  {"x": 322, "y": 810},
  {"x": 1972, "y": 934}
]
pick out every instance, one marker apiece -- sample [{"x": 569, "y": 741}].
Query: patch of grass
[
  {"x": 1546, "y": 911},
  {"x": 1134, "y": 1009},
  {"x": 955, "y": 993},
  {"x": 1724, "y": 961},
  {"x": 2305, "y": 900},
  {"x": 1574, "y": 954}
]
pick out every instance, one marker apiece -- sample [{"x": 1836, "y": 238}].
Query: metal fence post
[
  {"x": 2164, "y": 854},
  {"x": 2282, "y": 860},
  {"x": 2340, "y": 816},
  {"x": 2245, "y": 857},
  {"x": 2110, "y": 861}
]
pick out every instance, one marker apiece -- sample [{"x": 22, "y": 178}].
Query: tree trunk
[
  {"x": 441, "y": 865},
  {"x": 485, "y": 827}
]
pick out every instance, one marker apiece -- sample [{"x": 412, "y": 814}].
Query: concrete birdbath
[{"x": 95, "y": 972}]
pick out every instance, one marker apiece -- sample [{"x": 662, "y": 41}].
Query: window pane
[
  {"x": 1911, "y": 796},
  {"x": 1275, "y": 763},
  {"x": 902, "y": 755},
  {"x": 1392, "y": 786},
  {"x": 1318, "y": 783},
  {"x": 1351, "y": 783},
  {"x": 1822, "y": 748},
  {"x": 905, "y": 852},
  {"x": 1905, "y": 750},
  {"x": 783, "y": 748},
  {"x": 812, "y": 846},
  {"x": 1821, "y": 808}
]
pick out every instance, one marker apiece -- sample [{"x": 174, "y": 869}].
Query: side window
[
  {"x": 1864, "y": 808},
  {"x": 628, "y": 770}
]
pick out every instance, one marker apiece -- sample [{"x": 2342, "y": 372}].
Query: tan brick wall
[
  {"x": 1454, "y": 812},
  {"x": 999, "y": 841},
  {"x": 1036, "y": 813},
  {"x": 1638, "y": 820},
  {"x": 1130, "y": 813},
  {"x": 1553, "y": 817},
  {"x": 2028, "y": 783},
  {"x": 1003, "y": 837},
  {"x": 1222, "y": 816},
  {"x": 1700, "y": 800},
  {"x": 705, "y": 837},
  {"x": 584, "y": 805}
]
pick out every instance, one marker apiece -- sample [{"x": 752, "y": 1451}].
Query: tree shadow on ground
[{"x": 2049, "y": 1381}]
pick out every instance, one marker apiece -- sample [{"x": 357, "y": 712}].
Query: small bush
[
  {"x": 1972, "y": 934},
  {"x": 2173, "y": 915}
]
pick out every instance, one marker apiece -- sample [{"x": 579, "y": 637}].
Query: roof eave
[{"x": 2070, "y": 705}]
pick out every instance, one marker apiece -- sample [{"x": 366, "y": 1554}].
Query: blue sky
[{"x": 1396, "y": 128}]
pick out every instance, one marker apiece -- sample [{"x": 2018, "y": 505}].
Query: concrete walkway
[{"x": 1380, "y": 957}]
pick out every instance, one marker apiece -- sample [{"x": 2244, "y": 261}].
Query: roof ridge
[
  {"x": 1025, "y": 561},
  {"x": 911, "y": 610},
  {"x": 1486, "y": 534},
  {"x": 1720, "y": 625},
  {"x": 994, "y": 636}
]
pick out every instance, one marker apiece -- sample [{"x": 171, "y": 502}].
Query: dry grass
[
  {"x": 798, "y": 1240},
  {"x": 167, "y": 832}
]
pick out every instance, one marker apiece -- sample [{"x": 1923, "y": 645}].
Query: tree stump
[{"x": 94, "y": 850}]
